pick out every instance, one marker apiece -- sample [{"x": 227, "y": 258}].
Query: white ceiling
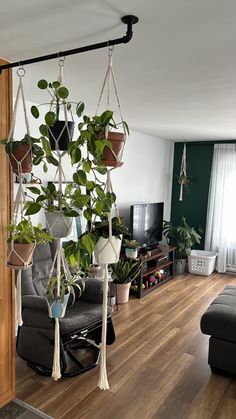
[{"x": 177, "y": 77}]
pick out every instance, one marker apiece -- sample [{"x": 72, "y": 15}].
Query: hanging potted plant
[
  {"x": 106, "y": 151},
  {"x": 59, "y": 207},
  {"x": 73, "y": 285},
  {"x": 59, "y": 132},
  {"x": 108, "y": 250},
  {"x": 131, "y": 248},
  {"x": 27, "y": 152},
  {"x": 184, "y": 238},
  {"x": 124, "y": 272},
  {"x": 22, "y": 240}
]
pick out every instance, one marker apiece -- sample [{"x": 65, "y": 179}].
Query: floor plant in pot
[
  {"x": 58, "y": 131},
  {"x": 22, "y": 240},
  {"x": 184, "y": 237},
  {"x": 124, "y": 272}
]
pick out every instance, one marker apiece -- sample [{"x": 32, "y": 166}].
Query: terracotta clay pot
[
  {"x": 22, "y": 152},
  {"x": 118, "y": 140},
  {"x": 21, "y": 251}
]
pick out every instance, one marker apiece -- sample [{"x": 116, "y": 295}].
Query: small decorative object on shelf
[{"x": 156, "y": 269}]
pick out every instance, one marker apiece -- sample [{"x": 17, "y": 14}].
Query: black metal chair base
[{"x": 79, "y": 368}]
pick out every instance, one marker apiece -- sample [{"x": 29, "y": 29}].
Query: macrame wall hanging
[
  {"x": 183, "y": 180},
  {"x": 20, "y": 155},
  {"x": 107, "y": 251}
]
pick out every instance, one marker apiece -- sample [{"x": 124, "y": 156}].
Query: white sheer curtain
[{"x": 221, "y": 212}]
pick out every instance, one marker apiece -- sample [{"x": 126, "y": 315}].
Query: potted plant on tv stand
[
  {"x": 131, "y": 248},
  {"x": 184, "y": 238}
]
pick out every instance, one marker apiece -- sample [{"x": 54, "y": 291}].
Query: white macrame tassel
[
  {"x": 181, "y": 193},
  {"x": 103, "y": 381},
  {"x": 18, "y": 299},
  {"x": 56, "y": 368}
]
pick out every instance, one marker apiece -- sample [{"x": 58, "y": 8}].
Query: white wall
[{"x": 146, "y": 175}]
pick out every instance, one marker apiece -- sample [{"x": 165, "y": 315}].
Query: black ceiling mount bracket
[{"x": 129, "y": 20}]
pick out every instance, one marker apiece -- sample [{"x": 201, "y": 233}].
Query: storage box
[{"x": 201, "y": 262}]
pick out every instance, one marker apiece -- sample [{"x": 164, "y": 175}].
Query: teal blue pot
[
  {"x": 131, "y": 253},
  {"x": 57, "y": 308}
]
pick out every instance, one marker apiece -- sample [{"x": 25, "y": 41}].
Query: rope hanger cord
[
  {"x": 128, "y": 20},
  {"x": 19, "y": 94},
  {"x": 110, "y": 80},
  {"x": 183, "y": 172}
]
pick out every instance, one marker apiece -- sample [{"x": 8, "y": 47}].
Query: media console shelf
[{"x": 160, "y": 259}]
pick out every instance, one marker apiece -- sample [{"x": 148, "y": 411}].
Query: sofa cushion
[{"x": 220, "y": 318}]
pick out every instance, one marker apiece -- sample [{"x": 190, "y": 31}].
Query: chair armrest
[
  {"x": 35, "y": 302},
  {"x": 93, "y": 291}
]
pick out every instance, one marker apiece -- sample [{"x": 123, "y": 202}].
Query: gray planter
[
  {"x": 58, "y": 224},
  {"x": 180, "y": 266}
]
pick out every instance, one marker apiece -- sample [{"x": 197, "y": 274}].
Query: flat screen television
[{"x": 146, "y": 223}]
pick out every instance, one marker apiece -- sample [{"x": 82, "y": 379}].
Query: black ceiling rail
[{"x": 129, "y": 20}]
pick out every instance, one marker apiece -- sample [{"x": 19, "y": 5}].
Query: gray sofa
[
  {"x": 83, "y": 320},
  {"x": 219, "y": 321}
]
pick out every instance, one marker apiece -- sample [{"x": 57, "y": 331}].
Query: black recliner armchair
[{"x": 81, "y": 324}]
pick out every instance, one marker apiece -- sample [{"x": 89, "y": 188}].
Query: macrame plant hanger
[
  {"x": 20, "y": 198},
  {"x": 183, "y": 173},
  {"x": 55, "y": 310},
  {"x": 109, "y": 79}
]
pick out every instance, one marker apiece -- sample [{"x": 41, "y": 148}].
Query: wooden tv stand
[{"x": 160, "y": 258}]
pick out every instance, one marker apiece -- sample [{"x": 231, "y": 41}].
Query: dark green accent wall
[{"x": 194, "y": 204}]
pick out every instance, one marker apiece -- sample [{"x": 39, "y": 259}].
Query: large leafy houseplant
[{"x": 183, "y": 236}]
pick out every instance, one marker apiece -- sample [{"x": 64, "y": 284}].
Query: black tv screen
[{"x": 146, "y": 222}]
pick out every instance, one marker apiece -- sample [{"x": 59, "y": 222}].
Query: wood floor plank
[{"x": 157, "y": 366}]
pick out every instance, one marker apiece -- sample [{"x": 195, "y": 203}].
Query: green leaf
[
  {"x": 43, "y": 130},
  {"x": 46, "y": 146},
  {"x": 55, "y": 84},
  {"x": 80, "y": 109},
  {"x": 80, "y": 178},
  {"x": 45, "y": 167},
  {"x": 42, "y": 84},
  {"x": 105, "y": 118},
  {"x": 87, "y": 243},
  {"x": 35, "y": 112},
  {"x": 34, "y": 190},
  {"x": 33, "y": 208},
  {"x": 52, "y": 160},
  {"x": 63, "y": 92},
  {"x": 75, "y": 156},
  {"x": 99, "y": 207},
  {"x": 86, "y": 166},
  {"x": 71, "y": 213},
  {"x": 101, "y": 169},
  {"x": 126, "y": 128},
  {"x": 50, "y": 118}
]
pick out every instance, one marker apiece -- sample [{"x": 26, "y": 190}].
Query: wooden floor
[{"x": 157, "y": 366}]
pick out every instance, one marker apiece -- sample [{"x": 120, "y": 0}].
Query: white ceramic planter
[
  {"x": 131, "y": 253},
  {"x": 107, "y": 251},
  {"x": 58, "y": 224},
  {"x": 122, "y": 292}
]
